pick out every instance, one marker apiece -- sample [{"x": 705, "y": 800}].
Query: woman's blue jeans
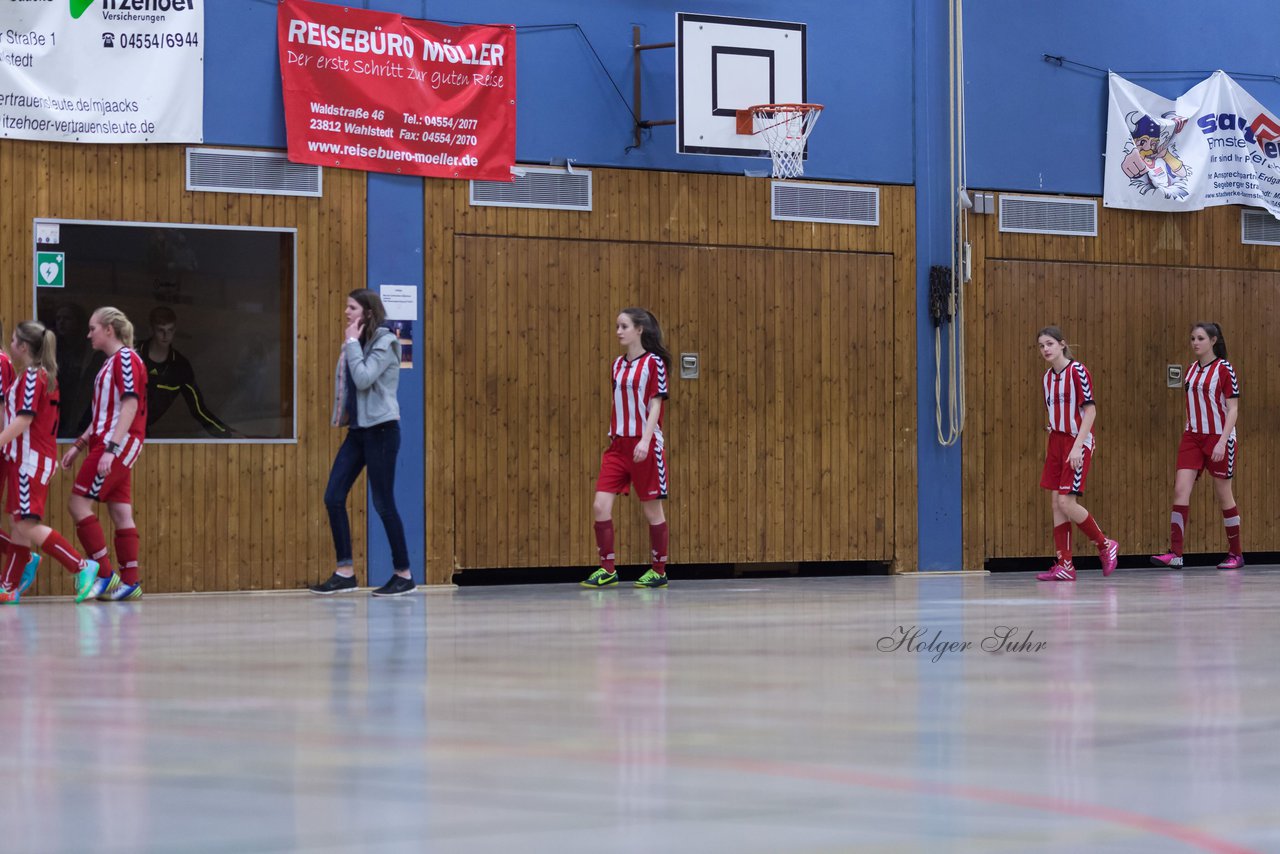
[{"x": 374, "y": 448}]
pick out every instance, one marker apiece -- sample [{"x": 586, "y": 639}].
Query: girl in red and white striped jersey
[
  {"x": 113, "y": 440},
  {"x": 1068, "y": 395},
  {"x": 636, "y": 455},
  {"x": 29, "y": 444},
  {"x": 7, "y": 376},
  {"x": 1208, "y": 442}
]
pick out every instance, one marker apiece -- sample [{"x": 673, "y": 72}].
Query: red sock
[
  {"x": 89, "y": 533},
  {"x": 6, "y": 548},
  {"x": 658, "y": 537},
  {"x": 15, "y": 558},
  {"x": 1177, "y": 524},
  {"x": 127, "y": 554},
  {"x": 1089, "y": 527},
  {"x": 57, "y": 547},
  {"x": 1062, "y": 542},
  {"x": 604, "y": 543},
  {"x": 1231, "y": 521}
]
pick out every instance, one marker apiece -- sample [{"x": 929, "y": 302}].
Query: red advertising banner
[{"x": 384, "y": 93}]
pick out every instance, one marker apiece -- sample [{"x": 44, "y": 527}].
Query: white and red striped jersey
[
  {"x": 1208, "y": 388},
  {"x": 122, "y": 375},
  {"x": 29, "y": 394},
  {"x": 1066, "y": 393},
  {"x": 7, "y": 372},
  {"x": 635, "y": 384}
]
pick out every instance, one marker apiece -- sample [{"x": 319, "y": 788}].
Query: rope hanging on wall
[{"x": 951, "y": 302}]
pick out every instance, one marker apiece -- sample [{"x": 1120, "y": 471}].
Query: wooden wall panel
[
  {"x": 1126, "y": 299},
  {"x": 249, "y": 517},
  {"x": 665, "y": 228},
  {"x": 526, "y": 472},
  {"x": 211, "y": 517}
]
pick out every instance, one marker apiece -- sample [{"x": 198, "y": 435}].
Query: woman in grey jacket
[{"x": 365, "y": 401}]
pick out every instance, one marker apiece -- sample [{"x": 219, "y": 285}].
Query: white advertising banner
[
  {"x": 1214, "y": 145},
  {"x": 102, "y": 70}
]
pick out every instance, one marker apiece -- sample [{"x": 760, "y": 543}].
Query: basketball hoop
[{"x": 784, "y": 129}]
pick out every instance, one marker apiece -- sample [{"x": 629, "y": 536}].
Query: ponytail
[
  {"x": 43, "y": 346},
  {"x": 1214, "y": 331}
]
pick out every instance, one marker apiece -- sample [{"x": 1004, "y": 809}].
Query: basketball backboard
[{"x": 728, "y": 64}]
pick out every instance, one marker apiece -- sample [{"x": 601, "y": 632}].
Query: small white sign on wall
[
  {"x": 401, "y": 301},
  {"x": 47, "y": 232}
]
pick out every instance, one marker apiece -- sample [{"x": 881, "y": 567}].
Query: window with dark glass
[{"x": 213, "y": 316}]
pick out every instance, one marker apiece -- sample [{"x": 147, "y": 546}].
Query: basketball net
[{"x": 784, "y": 129}]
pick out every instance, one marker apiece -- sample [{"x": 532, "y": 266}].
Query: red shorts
[
  {"x": 1195, "y": 452},
  {"x": 28, "y": 486},
  {"x": 618, "y": 470},
  {"x": 115, "y": 488},
  {"x": 1058, "y": 474}
]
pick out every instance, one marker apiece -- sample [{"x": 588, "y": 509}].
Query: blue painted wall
[
  {"x": 396, "y": 226},
  {"x": 1037, "y": 127},
  {"x": 938, "y": 468}
]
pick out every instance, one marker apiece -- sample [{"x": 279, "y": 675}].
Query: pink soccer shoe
[
  {"x": 1168, "y": 559},
  {"x": 1232, "y": 562},
  {"x": 1058, "y": 572},
  {"x": 1108, "y": 553}
]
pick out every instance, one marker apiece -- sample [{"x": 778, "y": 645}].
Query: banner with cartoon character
[
  {"x": 1214, "y": 145},
  {"x": 102, "y": 71}
]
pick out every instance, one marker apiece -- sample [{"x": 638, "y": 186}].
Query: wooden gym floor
[{"x": 1137, "y": 713}]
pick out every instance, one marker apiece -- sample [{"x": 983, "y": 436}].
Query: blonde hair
[
  {"x": 42, "y": 344},
  {"x": 115, "y": 318}
]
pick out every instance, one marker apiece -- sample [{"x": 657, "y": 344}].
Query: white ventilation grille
[
  {"x": 1049, "y": 215},
  {"x": 1259, "y": 227},
  {"x": 837, "y": 203},
  {"x": 537, "y": 187},
  {"x": 229, "y": 170}
]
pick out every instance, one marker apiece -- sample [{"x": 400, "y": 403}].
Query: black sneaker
[
  {"x": 397, "y": 585},
  {"x": 335, "y": 584}
]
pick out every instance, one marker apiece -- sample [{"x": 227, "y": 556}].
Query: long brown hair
[
  {"x": 1214, "y": 331},
  {"x": 375, "y": 314},
  {"x": 650, "y": 333},
  {"x": 42, "y": 344}
]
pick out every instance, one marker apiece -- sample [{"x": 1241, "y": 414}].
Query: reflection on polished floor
[{"x": 1138, "y": 713}]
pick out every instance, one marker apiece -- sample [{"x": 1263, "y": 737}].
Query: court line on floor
[
  {"x": 1076, "y": 809},
  {"x": 1097, "y": 812}
]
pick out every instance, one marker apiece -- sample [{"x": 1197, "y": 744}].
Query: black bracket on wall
[{"x": 637, "y": 48}]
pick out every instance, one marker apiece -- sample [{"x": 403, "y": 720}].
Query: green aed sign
[{"x": 51, "y": 268}]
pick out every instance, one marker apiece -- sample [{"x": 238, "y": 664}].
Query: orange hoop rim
[
  {"x": 778, "y": 108},
  {"x": 745, "y": 120}
]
